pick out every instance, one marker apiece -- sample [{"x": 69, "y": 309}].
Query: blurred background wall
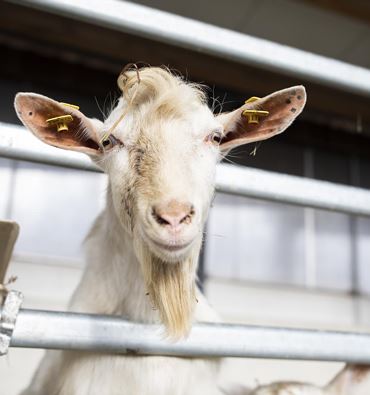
[{"x": 264, "y": 263}]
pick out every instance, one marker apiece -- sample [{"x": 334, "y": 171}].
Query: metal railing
[
  {"x": 71, "y": 331},
  {"x": 60, "y": 330},
  {"x": 202, "y": 37},
  {"x": 16, "y": 143}
]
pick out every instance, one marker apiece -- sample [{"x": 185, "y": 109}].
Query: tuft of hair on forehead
[{"x": 166, "y": 92}]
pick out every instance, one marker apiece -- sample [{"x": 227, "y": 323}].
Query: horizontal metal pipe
[
  {"x": 71, "y": 331},
  {"x": 201, "y": 37},
  {"x": 16, "y": 143},
  {"x": 294, "y": 190}
]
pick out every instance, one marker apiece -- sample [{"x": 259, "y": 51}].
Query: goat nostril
[
  {"x": 159, "y": 219},
  {"x": 173, "y": 214},
  {"x": 186, "y": 220}
]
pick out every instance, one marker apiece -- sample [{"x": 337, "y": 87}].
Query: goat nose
[{"x": 173, "y": 213}]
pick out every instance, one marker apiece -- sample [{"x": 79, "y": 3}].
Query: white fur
[
  {"x": 352, "y": 380},
  {"x": 113, "y": 282}
]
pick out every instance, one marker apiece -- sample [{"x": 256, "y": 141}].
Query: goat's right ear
[{"x": 81, "y": 134}]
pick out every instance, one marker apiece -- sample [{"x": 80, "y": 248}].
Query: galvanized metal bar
[
  {"x": 17, "y": 143},
  {"x": 201, "y": 37},
  {"x": 8, "y": 317},
  {"x": 70, "y": 331},
  {"x": 295, "y": 190}
]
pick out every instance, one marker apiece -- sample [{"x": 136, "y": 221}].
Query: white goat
[
  {"x": 352, "y": 380},
  {"x": 159, "y": 147}
]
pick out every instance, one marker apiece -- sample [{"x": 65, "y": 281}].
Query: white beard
[{"x": 171, "y": 288}]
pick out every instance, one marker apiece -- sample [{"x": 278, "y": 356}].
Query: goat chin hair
[{"x": 172, "y": 289}]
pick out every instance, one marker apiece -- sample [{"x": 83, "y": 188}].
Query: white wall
[{"x": 254, "y": 240}]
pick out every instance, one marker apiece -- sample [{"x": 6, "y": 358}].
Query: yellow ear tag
[
  {"x": 252, "y": 99},
  {"x": 253, "y": 115},
  {"x": 70, "y": 105},
  {"x": 60, "y": 122}
]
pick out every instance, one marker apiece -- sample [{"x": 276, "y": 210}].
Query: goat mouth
[
  {"x": 167, "y": 248},
  {"x": 171, "y": 247}
]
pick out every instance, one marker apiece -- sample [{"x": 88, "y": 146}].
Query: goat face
[{"x": 162, "y": 178}]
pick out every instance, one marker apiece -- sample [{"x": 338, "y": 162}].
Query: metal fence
[
  {"x": 202, "y": 37},
  {"x": 15, "y": 143},
  {"x": 61, "y": 330},
  {"x": 58, "y": 330}
]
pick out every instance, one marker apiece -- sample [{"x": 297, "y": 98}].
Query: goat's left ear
[
  {"x": 77, "y": 133},
  {"x": 282, "y": 108}
]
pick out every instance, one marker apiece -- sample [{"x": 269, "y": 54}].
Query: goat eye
[
  {"x": 109, "y": 142},
  {"x": 214, "y": 138}
]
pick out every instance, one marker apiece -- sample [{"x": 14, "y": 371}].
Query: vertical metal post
[
  {"x": 10, "y": 198},
  {"x": 309, "y": 223},
  {"x": 201, "y": 262},
  {"x": 355, "y": 181}
]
